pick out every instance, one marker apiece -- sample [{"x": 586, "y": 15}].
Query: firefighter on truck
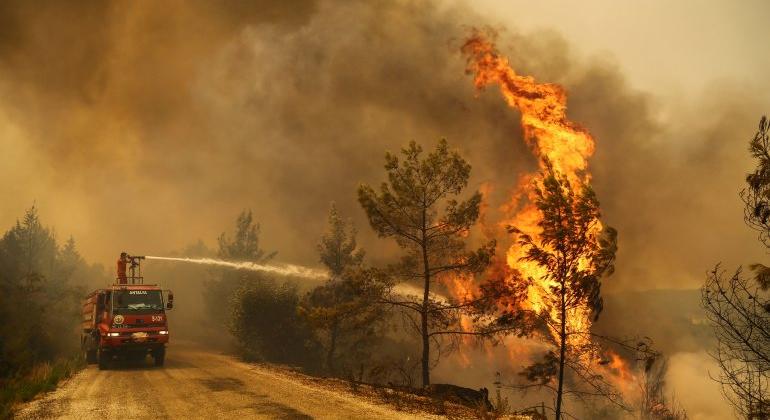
[{"x": 126, "y": 320}]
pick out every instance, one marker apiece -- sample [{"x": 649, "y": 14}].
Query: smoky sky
[{"x": 145, "y": 126}]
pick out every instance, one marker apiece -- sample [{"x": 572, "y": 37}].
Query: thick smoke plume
[{"x": 148, "y": 125}]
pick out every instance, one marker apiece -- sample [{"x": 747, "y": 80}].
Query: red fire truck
[{"x": 127, "y": 320}]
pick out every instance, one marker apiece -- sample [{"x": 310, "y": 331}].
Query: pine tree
[
  {"x": 344, "y": 311},
  {"x": 574, "y": 256},
  {"x": 408, "y": 207}
]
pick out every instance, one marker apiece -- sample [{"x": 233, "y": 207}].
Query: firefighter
[{"x": 122, "y": 262}]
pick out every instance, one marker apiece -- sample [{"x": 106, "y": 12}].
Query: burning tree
[
  {"x": 573, "y": 252},
  {"x": 407, "y": 208},
  {"x": 739, "y": 308},
  {"x": 562, "y": 249}
]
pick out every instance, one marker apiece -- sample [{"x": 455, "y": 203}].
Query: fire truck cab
[{"x": 127, "y": 320}]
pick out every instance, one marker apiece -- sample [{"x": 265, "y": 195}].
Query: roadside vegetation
[
  {"x": 388, "y": 326},
  {"x": 380, "y": 329},
  {"x": 43, "y": 377},
  {"x": 41, "y": 284}
]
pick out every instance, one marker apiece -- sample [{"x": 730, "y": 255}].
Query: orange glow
[
  {"x": 462, "y": 289},
  {"x": 543, "y": 109},
  {"x": 551, "y": 136},
  {"x": 619, "y": 367},
  {"x": 621, "y": 375}
]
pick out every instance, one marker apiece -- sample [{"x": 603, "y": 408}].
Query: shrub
[{"x": 266, "y": 324}]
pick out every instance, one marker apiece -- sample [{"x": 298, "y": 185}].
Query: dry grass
[
  {"x": 409, "y": 401},
  {"x": 43, "y": 377}
]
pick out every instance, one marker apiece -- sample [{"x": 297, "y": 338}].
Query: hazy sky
[{"x": 665, "y": 47}]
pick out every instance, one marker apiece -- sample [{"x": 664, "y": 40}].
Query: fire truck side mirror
[{"x": 170, "y": 303}]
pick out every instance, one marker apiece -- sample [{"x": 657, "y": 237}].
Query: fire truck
[{"x": 127, "y": 320}]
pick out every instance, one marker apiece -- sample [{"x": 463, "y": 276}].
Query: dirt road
[{"x": 198, "y": 384}]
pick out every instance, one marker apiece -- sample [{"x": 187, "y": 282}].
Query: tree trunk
[
  {"x": 562, "y": 351},
  {"x": 424, "y": 325},
  {"x": 425, "y": 307},
  {"x": 332, "y": 348}
]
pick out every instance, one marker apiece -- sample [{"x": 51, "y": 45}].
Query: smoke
[
  {"x": 290, "y": 270},
  {"x": 690, "y": 383},
  {"x": 148, "y": 125}
]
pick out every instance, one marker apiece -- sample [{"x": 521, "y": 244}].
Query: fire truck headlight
[
  {"x": 164, "y": 332},
  {"x": 113, "y": 334}
]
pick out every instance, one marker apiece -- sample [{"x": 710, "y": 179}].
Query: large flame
[
  {"x": 543, "y": 109},
  {"x": 552, "y": 137}
]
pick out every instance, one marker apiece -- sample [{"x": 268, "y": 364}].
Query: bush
[
  {"x": 41, "y": 378},
  {"x": 267, "y": 326}
]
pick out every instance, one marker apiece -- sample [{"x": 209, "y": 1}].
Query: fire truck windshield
[{"x": 137, "y": 300}]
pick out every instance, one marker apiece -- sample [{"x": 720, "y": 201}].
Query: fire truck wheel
[
  {"x": 103, "y": 359},
  {"x": 90, "y": 356},
  {"x": 159, "y": 356}
]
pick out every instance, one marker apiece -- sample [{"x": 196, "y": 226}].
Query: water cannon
[{"x": 130, "y": 264}]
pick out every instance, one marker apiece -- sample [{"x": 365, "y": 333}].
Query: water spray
[
  {"x": 283, "y": 270},
  {"x": 286, "y": 270}
]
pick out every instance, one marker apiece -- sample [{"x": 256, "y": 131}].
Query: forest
[{"x": 391, "y": 324}]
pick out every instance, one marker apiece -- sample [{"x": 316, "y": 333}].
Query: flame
[
  {"x": 619, "y": 367},
  {"x": 567, "y": 146},
  {"x": 543, "y": 109},
  {"x": 620, "y": 374},
  {"x": 462, "y": 288},
  {"x": 551, "y": 136}
]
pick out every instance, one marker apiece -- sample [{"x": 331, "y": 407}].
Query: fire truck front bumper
[{"x": 134, "y": 339}]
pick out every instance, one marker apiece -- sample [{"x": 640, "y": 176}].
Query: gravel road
[{"x": 196, "y": 383}]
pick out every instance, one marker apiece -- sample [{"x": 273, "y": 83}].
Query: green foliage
[
  {"x": 338, "y": 249},
  {"x": 347, "y": 317},
  {"x": 267, "y": 325},
  {"x": 242, "y": 246},
  {"x": 345, "y": 312},
  {"x": 756, "y": 196},
  {"x": 407, "y": 208},
  {"x": 44, "y": 377},
  {"x": 41, "y": 285}
]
